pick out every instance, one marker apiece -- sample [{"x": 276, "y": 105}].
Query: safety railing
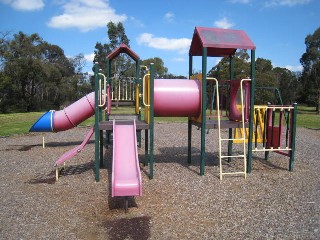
[{"x": 123, "y": 89}]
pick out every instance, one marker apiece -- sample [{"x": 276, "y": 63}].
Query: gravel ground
[{"x": 272, "y": 203}]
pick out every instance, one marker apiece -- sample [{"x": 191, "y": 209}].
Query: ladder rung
[
  {"x": 233, "y": 156},
  {"x": 233, "y": 173},
  {"x": 232, "y": 139}
]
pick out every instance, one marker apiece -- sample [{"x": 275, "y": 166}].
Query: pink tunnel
[
  {"x": 74, "y": 114},
  {"x": 177, "y": 98}
]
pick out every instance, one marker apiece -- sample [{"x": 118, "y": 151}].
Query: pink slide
[
  {"x": 75, "y": 150},
  {"x": 126, "y": 175}
]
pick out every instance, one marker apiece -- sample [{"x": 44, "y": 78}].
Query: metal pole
[
  {"x": 96, "y": 125},
  {"x": 293, "y": 136},
  {"x": 230, "y": 142},
  {"x": 189, "y": 120},
  {"x": 203, "y": 111},
  {"x": 249, "y": 160},
  {"x": 151, "y": 118}
]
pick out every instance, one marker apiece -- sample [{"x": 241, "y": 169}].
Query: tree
[
  {"x": 310, "y": 78},
  {"x": 160, "y": 70},
  {"x": 123, "y": 63},
  {"x": 241, "y": 67},
  {"x": 34, "y": 74}
]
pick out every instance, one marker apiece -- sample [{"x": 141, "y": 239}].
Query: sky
[{"x": 164, "y": 28}]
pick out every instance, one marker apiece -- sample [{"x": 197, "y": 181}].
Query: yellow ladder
[{"x": 242, "y": 139}]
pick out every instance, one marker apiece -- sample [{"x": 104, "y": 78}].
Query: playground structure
[{"x": 178, "y": 98}]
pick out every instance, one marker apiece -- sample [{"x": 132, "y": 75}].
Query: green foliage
[
  {"x": 123, "y": 65},
  {"x": 36, "y": 75},
  {"x": 159, "y": 68},
  {"x": 310, "y": 78},
  {"x": 269, "y": 80}
]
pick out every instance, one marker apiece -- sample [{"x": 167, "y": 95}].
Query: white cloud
[
  {"x": 179, "y": 59},
  {"x": 297, "y": 68},
  {"x": 289, "y": 3},
  {"x": 169, "y": 17},
  {"x": 25, "y": 5},
  {"x": 89, "y": 57},
  {"x": 137, "y": 22},
  {"x": 85, "y": 15},
  {"x": 223, "y": 23},
  {"x": 175, "y": 44}
]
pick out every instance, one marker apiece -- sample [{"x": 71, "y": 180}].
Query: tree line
[{"x": 36, "y": 75}]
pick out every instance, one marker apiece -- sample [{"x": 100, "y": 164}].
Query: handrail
[
  {"x": 107, "y": 96},
  {"x": 102, "y": 100},
  {"x": 143, "y": 89}
]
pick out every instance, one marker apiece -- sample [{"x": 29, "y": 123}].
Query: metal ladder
[{"x": 242, "y": 139}]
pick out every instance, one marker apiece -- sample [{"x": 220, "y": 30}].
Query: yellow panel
[{"x": 198, "y": 77}]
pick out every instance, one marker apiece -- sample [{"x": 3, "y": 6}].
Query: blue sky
[{"x": 164, "y": 28}]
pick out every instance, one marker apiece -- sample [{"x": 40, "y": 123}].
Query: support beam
[
  {"x": 203, "y": 111},
  {"x": 250, "y": 137},
  {"x": 151, "y": 157},
  {"x": 293, "y": 136},
  {"x": 231, "y": 72},
  {"x": 96, "y": 125}
]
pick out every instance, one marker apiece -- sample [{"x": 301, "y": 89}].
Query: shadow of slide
[{"x": 137, "y": 228}]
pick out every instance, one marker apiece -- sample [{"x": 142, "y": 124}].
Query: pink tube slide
[
  {"x": 126, "y": 175},
  {"x": 177, "y": 98},
  {"x": 74, "y": 114}
]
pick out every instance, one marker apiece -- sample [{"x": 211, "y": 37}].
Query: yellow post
[
  {"x": 146, "y": 96},
  {"x": 137, "y": 98}
]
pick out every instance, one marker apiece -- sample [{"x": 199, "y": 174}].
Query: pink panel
[
  {"x": 74, "y": 114},
  {"x": 235, "y": 100},
  {"x": 177, "y": 98}
]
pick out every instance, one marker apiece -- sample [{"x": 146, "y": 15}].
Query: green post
[
  {"x": 231, "y": 72},
  {"x": 293, "y": 136},
  {"x": 146, "y": 147},
  {"x": 266, "y": 129},
  {"x": 100, "y": 133},
  {"x": 136, "y": 82},
  {"x": 189, "y": 140},
  {"x": 108, "y": 69},
  {"x": 96, "y": 125},
  {"x": 250, "y": 137},
  {"x": 189, "y": 121},
  {"x": 151, "y": 157},
  {"x": 203, "y": 111}
]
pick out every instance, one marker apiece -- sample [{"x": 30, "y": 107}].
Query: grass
[
  {"x": 20, "y": 123},
  {"x": 17, "y": 123},
  {"x": 308, "y": 118}
]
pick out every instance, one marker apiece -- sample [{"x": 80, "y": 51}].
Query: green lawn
[{"x": 20, "y": 123}]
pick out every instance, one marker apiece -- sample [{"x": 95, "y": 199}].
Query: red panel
[
  {"x": 220, "y": 42},
  {"x": 123, "y": 49}
]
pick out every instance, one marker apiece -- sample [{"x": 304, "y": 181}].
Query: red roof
[
  {"x": 123, "y": 48},
  {"x": 219, "y": 42}
]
